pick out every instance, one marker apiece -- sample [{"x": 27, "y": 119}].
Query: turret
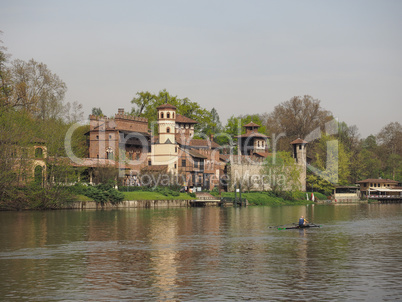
[
  {"x": 166, "y": 123},
  {"x": 299, "y": 150}
]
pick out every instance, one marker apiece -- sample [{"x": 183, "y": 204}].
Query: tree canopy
[{"x": 146, "y": 103}]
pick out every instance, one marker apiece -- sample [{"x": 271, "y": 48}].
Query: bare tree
[
  {"x": 296, "y": 118},
  {"x": 37, "y": 89}
]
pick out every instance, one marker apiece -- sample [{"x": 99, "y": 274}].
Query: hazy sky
[{"x": 241, "y": 57}]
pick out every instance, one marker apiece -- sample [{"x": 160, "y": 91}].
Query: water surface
[{"x": 219, "y": 254}]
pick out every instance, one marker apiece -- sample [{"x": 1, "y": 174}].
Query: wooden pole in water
[
  {"x": 235, "y": 195},
  {"x": 241, "y": 201}
]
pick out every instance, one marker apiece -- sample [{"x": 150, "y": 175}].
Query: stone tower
[
  {"x": 300, "y": 156},
  {"x": 166, "y": 123},
  {"x": 164, "y": 150}
]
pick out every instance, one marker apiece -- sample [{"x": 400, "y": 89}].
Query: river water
[{"x": 219, "y": 254}]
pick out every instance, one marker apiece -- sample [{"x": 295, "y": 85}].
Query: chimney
[{"x": 120, "y": 111}]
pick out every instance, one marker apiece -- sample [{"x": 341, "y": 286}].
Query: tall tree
[
  {"x": 390, "y": 147},
  {"x": 97, "y": 111},
  {"x": 73, "y": 112},
  {"x": 296, "y": 118},
  {"x": 146, "y": 104},
  {"x": 37, "y": 89},
  {"x": 5, "y": 77}
]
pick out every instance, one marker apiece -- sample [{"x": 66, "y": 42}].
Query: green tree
[
  {"x": 5, "y": 77},
  {"x": 282, "y": 172},
  {"x": 390, "y": 150},
  {"x": 235, "y": 126},
  {"x": 97, "y": 111},
  {"x": 146, "y": 104},
  {"x": 330, "y": 166}
]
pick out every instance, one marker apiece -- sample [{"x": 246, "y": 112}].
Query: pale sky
[{"x": 241, "y": 57}]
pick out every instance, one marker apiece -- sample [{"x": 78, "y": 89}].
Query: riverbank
[{"x": 153, "y": 199}]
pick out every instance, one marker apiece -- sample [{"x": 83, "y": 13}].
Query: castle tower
[
  {"x": 252, "y": 142},
  {"x": 166, "y": 123},
  {"x": 165, "y": 150},
  {"x": 300, "y": 155}
]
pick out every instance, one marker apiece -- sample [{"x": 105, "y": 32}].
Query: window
[
  {"x": 300, "y": 147},
  {"x": 38, "y": 153},
  {"x": 97, "y": 137},
  {"x": 173, "y": 115},
  {"x": 168, "y": 129},
  {"x": 109, "y": 153},
  {"x": 149, "y": 163},
  {"x": 183, "y": 162},
  {"x": 168, "y": 115},
  {"x": 175, "y": 149},
  {"x": 175, "y": 166},
  {"x": 162, "y": 115}
]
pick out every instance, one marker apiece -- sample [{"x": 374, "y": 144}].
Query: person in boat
[{"x": 302, "y": 222}]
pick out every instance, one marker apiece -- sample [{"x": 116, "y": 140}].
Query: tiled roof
[
  {"x": 196, "y": 154},
  {"x": 196, "y": 142},
  {"x": 252, "y": 134},
  {"x": 298, "y": 141},
  {"x": 166, "y": 106},
  {"x": 155, "y": 168},
  {"x": 251, "y": 124},
  {"x": 184, "y": 119},
  {"x": 262, "y": 154},
  {"x": 203, "y": 143},
  {"x": 377, "y": 180}
]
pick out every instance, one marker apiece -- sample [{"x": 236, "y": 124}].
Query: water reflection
[{"x": 202, "y": 253}]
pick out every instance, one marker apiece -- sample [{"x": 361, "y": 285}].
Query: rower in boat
[{"x": 302, "y": 222}]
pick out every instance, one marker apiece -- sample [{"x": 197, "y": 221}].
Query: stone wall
[{"x": 87, "y": 205}]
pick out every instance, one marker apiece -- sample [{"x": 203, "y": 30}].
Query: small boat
[{"x": 300, "y": 227}]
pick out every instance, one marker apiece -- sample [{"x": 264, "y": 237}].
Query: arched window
[
  {"x": 167, "y": 130},
  {"x": 168, "y": 115},
  {"x": 162, "y": 115},
  {"x": 109, "y": 153},
  {"x": 173, "y": 115}
]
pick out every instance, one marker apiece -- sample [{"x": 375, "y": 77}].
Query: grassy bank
[
  {"x": 270, "y": 199},
  {"x": 144, "y": 195}
]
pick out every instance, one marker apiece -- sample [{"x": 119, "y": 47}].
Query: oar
[{"x": 277, "y": 226}]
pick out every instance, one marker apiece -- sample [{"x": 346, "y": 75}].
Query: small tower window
[
  {"x": 168, "y": 129},
  {"x": 173, "y": 115},
  {"x": 168, "y": 115},
  {"x": 162, "y": 115}
]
